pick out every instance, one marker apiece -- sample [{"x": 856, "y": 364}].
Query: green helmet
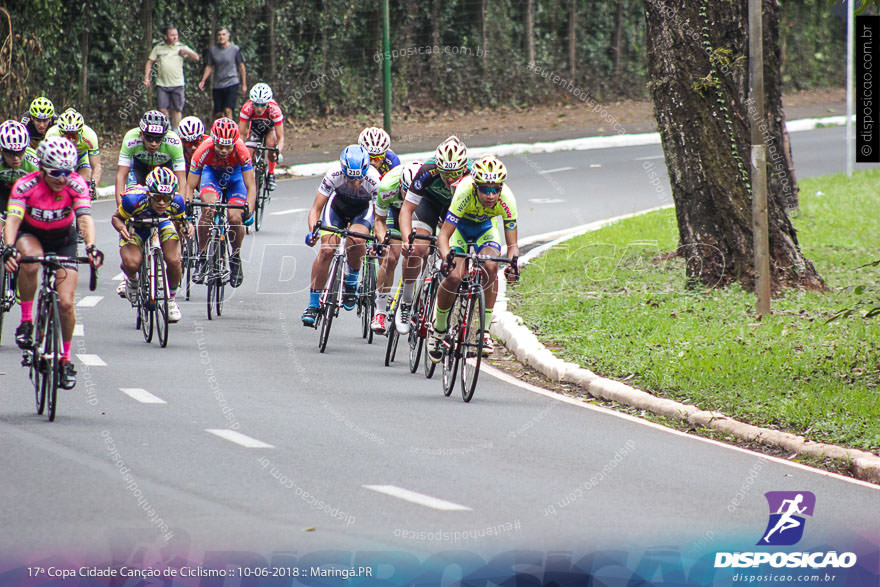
[
  {"x": 42, "y": 108},
  {"x": 70, "y": 121}
]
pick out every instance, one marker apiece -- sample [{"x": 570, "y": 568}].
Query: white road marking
[
  {"x": 119, "y": 276},
  {"x": 418, "y": 498},
  {"x": 238, "y": 438},
  {"x": 291, "y": 211},
  {"x": 652, "y": 157},
  {"x": 90, "y": 301},
  {"x": 141, "y": 395},
  {"x": 91, "y": 360},
  {"x": 78, "y": 330},
  {"x": 544, "y": 171},
  {"x": 595, "y": 165},
  {"x": 546, "y": 200}
]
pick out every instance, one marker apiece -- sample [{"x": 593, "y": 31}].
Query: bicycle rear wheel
[
  {"x": 329, "y": 302},
  {"x": 35, "y": 356},
  {"x": 429, "y": 365},
  {"x": 146, "y": 304},
  {"x": 160, "y": 295},
  {"x": 53, "y": 350},
  {"x": 5, "y": 306},
  {"x": 391, "y": 333},
  {"x": 188, "y": 259},
  {"x": 472, "y": 343},
  {"x": 260, "y": 209},
  {"x": 367, "y": 297},
  {"x": 418, "y": 321},
  {"x": 451, "y": 352}
]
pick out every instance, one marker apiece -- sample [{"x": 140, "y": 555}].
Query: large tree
[{"x": 698, "y": 58}]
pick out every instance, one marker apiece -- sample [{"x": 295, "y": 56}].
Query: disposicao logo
[
  {"x": 787, "y": 511},
  {"x": 786, "y": 528}
]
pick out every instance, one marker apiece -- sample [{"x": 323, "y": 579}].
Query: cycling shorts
[
  {"x": 342, "y": 216},
  {"x": 260, "y": 127},
  {"x": 137, "y": 173},
  {"x": 482, "y": 234},
  {"x": 229, "y": 185},
  {"x": 427, "y": 215},
  {"x": 63, "y": 244},
  {"x": 140, "y": 234}
]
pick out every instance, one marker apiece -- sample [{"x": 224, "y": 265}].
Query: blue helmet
[{"x": 355, "y": 161}]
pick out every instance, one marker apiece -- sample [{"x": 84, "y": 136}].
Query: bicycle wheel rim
[
  {"x": 329, "y": 301},
  {"x": 429, "y": 365},
  {"x": 36, "y": 367},
  {"x": 146, "y": 312},
  {"x": 472, "y": 344},
  {"x": 161, "y": 297},
  {"x": 211, "y": 275},
  {"x": 391, "y": 345},
  {"x": 222, "y": 271},
  {"x": 450, "y": 355},
  {"x": 54, "y": 349}
]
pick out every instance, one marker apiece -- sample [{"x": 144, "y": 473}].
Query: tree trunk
[
  {"x": 697, "y": 54},
  {"x": 617, "y": 44},
  {"x": 271, "y": 53},
  {"x": 147, "y": 19},
  {"x": 484, "y": 41},
  {"x": 572, "y": 41},
  {"x": 435, "y": 39},
  {"x": 530, "y": 33},
  {"x": 84, "y": 70}
]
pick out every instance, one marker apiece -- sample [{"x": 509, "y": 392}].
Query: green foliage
[{"x": 326, "y": 52}]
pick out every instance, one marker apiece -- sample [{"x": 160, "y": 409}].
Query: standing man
[
  {"x": 227, "y": 63},
  {"x": 170, "y": 81}
]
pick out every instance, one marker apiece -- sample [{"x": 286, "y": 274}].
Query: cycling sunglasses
[
  {"x": 58, "y": 173},
  {"x": 260, "y": 105},
  {"x": 489, "y": 189},
  {"x": 377, "y": 157},
  {"x": 164, "y": 198},
  {"x": 453, "y": 174},
  {"x": 153, "y": 138},
  {"x": 14, "y": 153}
]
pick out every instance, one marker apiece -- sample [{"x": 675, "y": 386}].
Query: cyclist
[
  {"x": 261, "y": 120},
  {"x": 344, "y": 199},
  {"x": 392, "y": 190},
  {"x": 192, "y": 133},
  {"x": 477, "y": 201},
  {"x": 159, "y": 198},
  {"x": 45, "y": 210},
  {"x": 39, "y": 117},
  {"x": 18, "y": 159},
  {"x": 423, "y": 208},
  {"x": 72, "y": 126},
  {"x": 376, "y": 142},
  {"x": 222, "y": 165},
  {"x": 151, "y": 144}
]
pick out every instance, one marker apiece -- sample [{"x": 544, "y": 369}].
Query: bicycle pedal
[{"x": 26, "y": 360}]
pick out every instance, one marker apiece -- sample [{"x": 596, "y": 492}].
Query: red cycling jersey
[
  {"x": 206, "y": 156},
  {"x": 272, "y": 112},
  {"x": 47, "y": 212}
]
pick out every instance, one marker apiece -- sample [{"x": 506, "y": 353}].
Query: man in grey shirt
[{"x": 227, "y": 63}]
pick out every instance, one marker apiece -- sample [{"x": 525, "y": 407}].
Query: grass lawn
[{"x": 614, "y": 301}]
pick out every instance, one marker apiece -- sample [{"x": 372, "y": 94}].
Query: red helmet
[{"x": 224, "y": 131}]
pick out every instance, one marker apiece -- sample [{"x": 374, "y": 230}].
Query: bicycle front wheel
[
  {"x": 259, "y": 209},
  {"x": 35, "y": 356},
  {"x": 212, "y": 273},
  {"x": 472, "y": 343},
  {"x": 146, "y": 303},
  {"x": 223, "y": 276},
  {"x": 53, "y": 350},
  {"x": 429, "y": 365},
  {"x": 329, "y": 302},
  {"x": 452, "y": 350},
  {"x": 160, "y": 294},
  {"x": 188, "y": 260},
  {"x": 368, "y": 298}
]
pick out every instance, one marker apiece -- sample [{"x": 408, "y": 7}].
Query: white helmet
[
  {"x": 451, "y": 155},
  {"x": 190, "y": 128},
  {"x": 375, "y": 140},
  {"x": 57, "y": 153},
  {"x": 409, "y": 174},
  {"x": 261, "y": 93},
  {"x": 14, "y": 136}
]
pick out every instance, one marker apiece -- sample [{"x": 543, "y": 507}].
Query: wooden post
[{"x": 758, "y": 159}]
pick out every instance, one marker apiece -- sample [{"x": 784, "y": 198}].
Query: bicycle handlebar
[
  {"x": 343, "y": 232},
  {"x": 220, "y": 205},
  {"x": 423, "y": 237},
  {"x": 259, "y": 147},
  {"x": 56, "y": 261}
]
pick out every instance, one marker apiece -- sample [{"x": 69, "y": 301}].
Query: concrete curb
[
  {"x": 527, "y": 348},
  {"x": 582, "y": 144}
]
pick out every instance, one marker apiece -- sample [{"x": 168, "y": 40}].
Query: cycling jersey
[
  {"x": 205, "y": 156},
  {"x": 428, "y": 184},
  {"x": 134, "y": 154},
  {"x": 389, "y": 192},
  {"x": 473, "y": 221},
  {"x": 190, "y": 147},
  {"x": 390, "y": 162},
  {"x": 136, "y": 205},
  {"x": 260, "y": 124},
  {"x": 45, "y": 213},
  {"x": 346, "y": 198},
  {"x": 9, "y": 175},
  {"x": 35, "y": 135},
  {"x": 86, "y": 144}
]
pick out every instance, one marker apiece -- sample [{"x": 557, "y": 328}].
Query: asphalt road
[{"x": 338, "y": 452}]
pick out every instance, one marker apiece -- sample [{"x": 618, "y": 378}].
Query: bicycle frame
[
  {"x": 153, "y": 289},
  {"x": 217, "y": 251}
]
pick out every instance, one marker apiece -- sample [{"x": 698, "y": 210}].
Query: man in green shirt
[{"x": 170, "y": 81}]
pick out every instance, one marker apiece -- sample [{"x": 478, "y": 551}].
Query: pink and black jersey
[
  {"x": 205, "y": 156},
  {"x": 47, "y": 212}
]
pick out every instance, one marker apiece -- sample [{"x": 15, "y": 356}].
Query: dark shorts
[
  {"x": 427, "y": 214},
  {"x": 61, "y": 244},
  {"x": 171, "y": 98},
  {"x": 225, "y": 98},
  {"x": 259, "y": 129}
]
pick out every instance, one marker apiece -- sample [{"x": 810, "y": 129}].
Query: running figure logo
[{"x": 786, "y": 524}]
